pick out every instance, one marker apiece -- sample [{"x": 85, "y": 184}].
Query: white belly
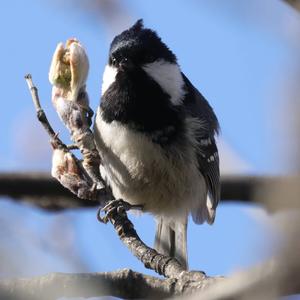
[{"x": 140, "y": 172}]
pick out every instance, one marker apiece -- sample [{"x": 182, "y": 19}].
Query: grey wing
[{"x": 207, "y": 153}]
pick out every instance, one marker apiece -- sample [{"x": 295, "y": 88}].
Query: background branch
[
  {"x": 294, "y": 3},
  {"x": 40, "y": 189},
  {"x": 44, "y": 191},
  {"x": 124, "y": 284},
  {"x": 266, "y": 281}
]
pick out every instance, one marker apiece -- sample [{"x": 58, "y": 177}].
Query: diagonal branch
[{"x": 161, "y": 264}]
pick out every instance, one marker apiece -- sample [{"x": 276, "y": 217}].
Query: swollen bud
[
  {"x": 66, "y": 170},
  {"x": 69, "y": 68}
]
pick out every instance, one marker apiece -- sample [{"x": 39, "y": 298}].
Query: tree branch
[
  {"x": 270, "y": 280},
  {"x": 293, "y": 3},
  {"x": 267, "y": 281},
  {"x": 42, "y": 190},
  {"x": 124, "y": 284},
  {"x": 161, "y": 264},
  {"x": 39, "y": 111}
]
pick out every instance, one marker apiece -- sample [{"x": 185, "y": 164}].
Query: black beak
[{"x": 125, "y": 64}]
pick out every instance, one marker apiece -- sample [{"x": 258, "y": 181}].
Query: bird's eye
[{"x": 113, "y": 61}]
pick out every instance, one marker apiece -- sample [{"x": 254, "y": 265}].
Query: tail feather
[{"x": 171, "y": 239}]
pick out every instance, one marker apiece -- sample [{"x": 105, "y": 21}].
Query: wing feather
[{"x": 207, "y": 153}]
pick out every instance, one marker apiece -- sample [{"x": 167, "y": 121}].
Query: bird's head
[
  {"x": 136, "y": 47},
  {"x": 141, "y": 49}
]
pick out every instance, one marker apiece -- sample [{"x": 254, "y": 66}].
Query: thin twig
[{"x": 40, "y": 112}]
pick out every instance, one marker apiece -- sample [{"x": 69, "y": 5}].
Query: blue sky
[{"x": 235, "y": 57}]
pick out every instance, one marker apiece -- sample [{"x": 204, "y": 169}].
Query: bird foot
[{"x": 113, "y": 207}]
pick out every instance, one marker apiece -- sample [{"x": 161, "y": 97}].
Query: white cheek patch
[
  {"x": 109, "y": 77},
  {"x": 168, "y": 76}
]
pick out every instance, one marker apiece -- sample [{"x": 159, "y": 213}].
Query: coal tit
[{"x": 156, "y": 136}]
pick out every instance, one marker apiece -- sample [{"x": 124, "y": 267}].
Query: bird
[{"x": 156, "y": 135}]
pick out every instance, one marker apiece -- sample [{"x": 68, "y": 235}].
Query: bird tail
[{"x": 171, "y": 239}]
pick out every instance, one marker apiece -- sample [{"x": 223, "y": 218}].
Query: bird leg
[{"x": 113, "y": 207}]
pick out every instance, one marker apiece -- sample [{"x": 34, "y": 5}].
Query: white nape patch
[
  {"x": 169, "y": 77},
  {"x": 109, "y": 77}
]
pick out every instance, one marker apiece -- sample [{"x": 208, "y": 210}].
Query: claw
[
  {"x": 100, "y": 218},
  {"x": 118, "y": 206}
]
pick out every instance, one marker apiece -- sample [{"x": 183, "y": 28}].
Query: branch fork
[
  {"x": 71, "y": 173},
  {"x": 68, "y": 73}
]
